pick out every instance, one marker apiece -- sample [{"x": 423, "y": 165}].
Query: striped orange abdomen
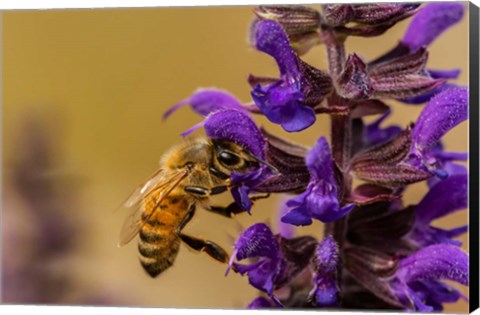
[{"x": 159, "y": 242}]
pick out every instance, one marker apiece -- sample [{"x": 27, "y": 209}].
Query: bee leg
[
  {"x": 186, "y": 219},
  {"x": 233, "y": 209},
  {"x": 197, "y": 190},
  {"x": 228, "y": 211},
  {"x": 210, "y": 248}
]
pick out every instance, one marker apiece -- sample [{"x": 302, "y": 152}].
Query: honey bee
[{"x": 189, "y": 174}]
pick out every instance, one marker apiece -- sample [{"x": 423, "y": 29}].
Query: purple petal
[
  {"x": 323, "y": 204},
  {"x": 443, "y": 198},
  {"x": 354, "y": 82},
  {"x": 280, "y": 103},
  {"x": 261, "y": 276},
  {"x": 302, "y": 118},
  {"x": 435, "y": 262},
  {"x": 451, "y": 169},
  {"x": 285, "y": 230},
  {"x": 298, "y": 216},
  {"x": 375, "y": 135},
  {"x": 240, "y": 195},
  {"x": 326, "y": 292},
  {"x": 270, "y": 38},
  {"x": 436, "y": 293},
  {"x": 238, "y": 127},
  {"x": 427, "y": 96},
  {"x": 260, "y": 302},
  {"x": 430, "y": 22},
  {"x": 257, "y": 241},
  {"x": 446, "y": 74},
  {"x": 206, "y": 101},
  {"x": 455, "y": 232},
  {"x": 193, "y": 128},
  {"x": 442, "y": 113},
  {"x": 319, "y": 161}
]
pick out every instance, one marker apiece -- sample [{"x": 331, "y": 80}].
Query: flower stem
[{"x": 341, "y": 127}]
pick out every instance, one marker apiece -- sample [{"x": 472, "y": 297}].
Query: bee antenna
[{"x": 270, "y": 166}]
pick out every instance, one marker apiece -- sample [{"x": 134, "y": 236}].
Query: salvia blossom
[{"x": 376, "y": 251}]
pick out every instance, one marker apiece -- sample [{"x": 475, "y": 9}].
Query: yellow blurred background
[{"x": 85, "y": 90}]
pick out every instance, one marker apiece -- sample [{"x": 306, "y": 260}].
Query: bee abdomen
[{"x": 158, "y": 250}]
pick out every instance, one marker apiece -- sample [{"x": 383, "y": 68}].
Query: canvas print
[{"x": 281, "y": 156}]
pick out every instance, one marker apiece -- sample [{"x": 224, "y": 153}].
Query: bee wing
[
  {"x": 141, "y": 191},
  {"x": 162, "y": 182}
]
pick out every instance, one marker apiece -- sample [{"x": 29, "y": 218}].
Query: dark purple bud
[
  {"x": 353, "y": 82},
  {"x": 404, "y": 86},
  {"x": 315, "y": 84},
  {"x": 369, "y": 193},
  {"x": 295, "y": 19},
  {"x": 431, "y": 22},
  {"x": 391, "y": 175},
  {"x": 337, "y": 14},
  {"x": 373, "y": 14},
  {"x": 375, "y": 19},
  {"x": 407, "y": 64},
  {"x": 383, "y": 164},
  {"x": 289, "y": 160},
  {"x": 389, "y": 153}
]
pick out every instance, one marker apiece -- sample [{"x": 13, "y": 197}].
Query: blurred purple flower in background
[{"x": 375, "y": 252}]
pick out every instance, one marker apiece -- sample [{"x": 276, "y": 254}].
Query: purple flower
[
  {"x": 206, "y": 101},
  {"x": 442, "y": 113},
  {"x": 432, "y": 20},
  {"x": 445, "y": 197},
  {"x": 278, "y": 260},
  {"x": 428, "y": 24},
  {"x": 319, "y": 201},
  {"x": 411, "y": 282},
  {"x": 374, "y": 134},
  {"x": 378, "y": 253},
  {"x": 415, "y": 282},
  {"x": 238, "y": 127},
  {"x": 326, "y": 291},
  {"x": 261, "y": 302},
  {"x": 286, "y": 101}
]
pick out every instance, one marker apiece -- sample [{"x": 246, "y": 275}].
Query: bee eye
[{"x": 228, "y": 158}]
